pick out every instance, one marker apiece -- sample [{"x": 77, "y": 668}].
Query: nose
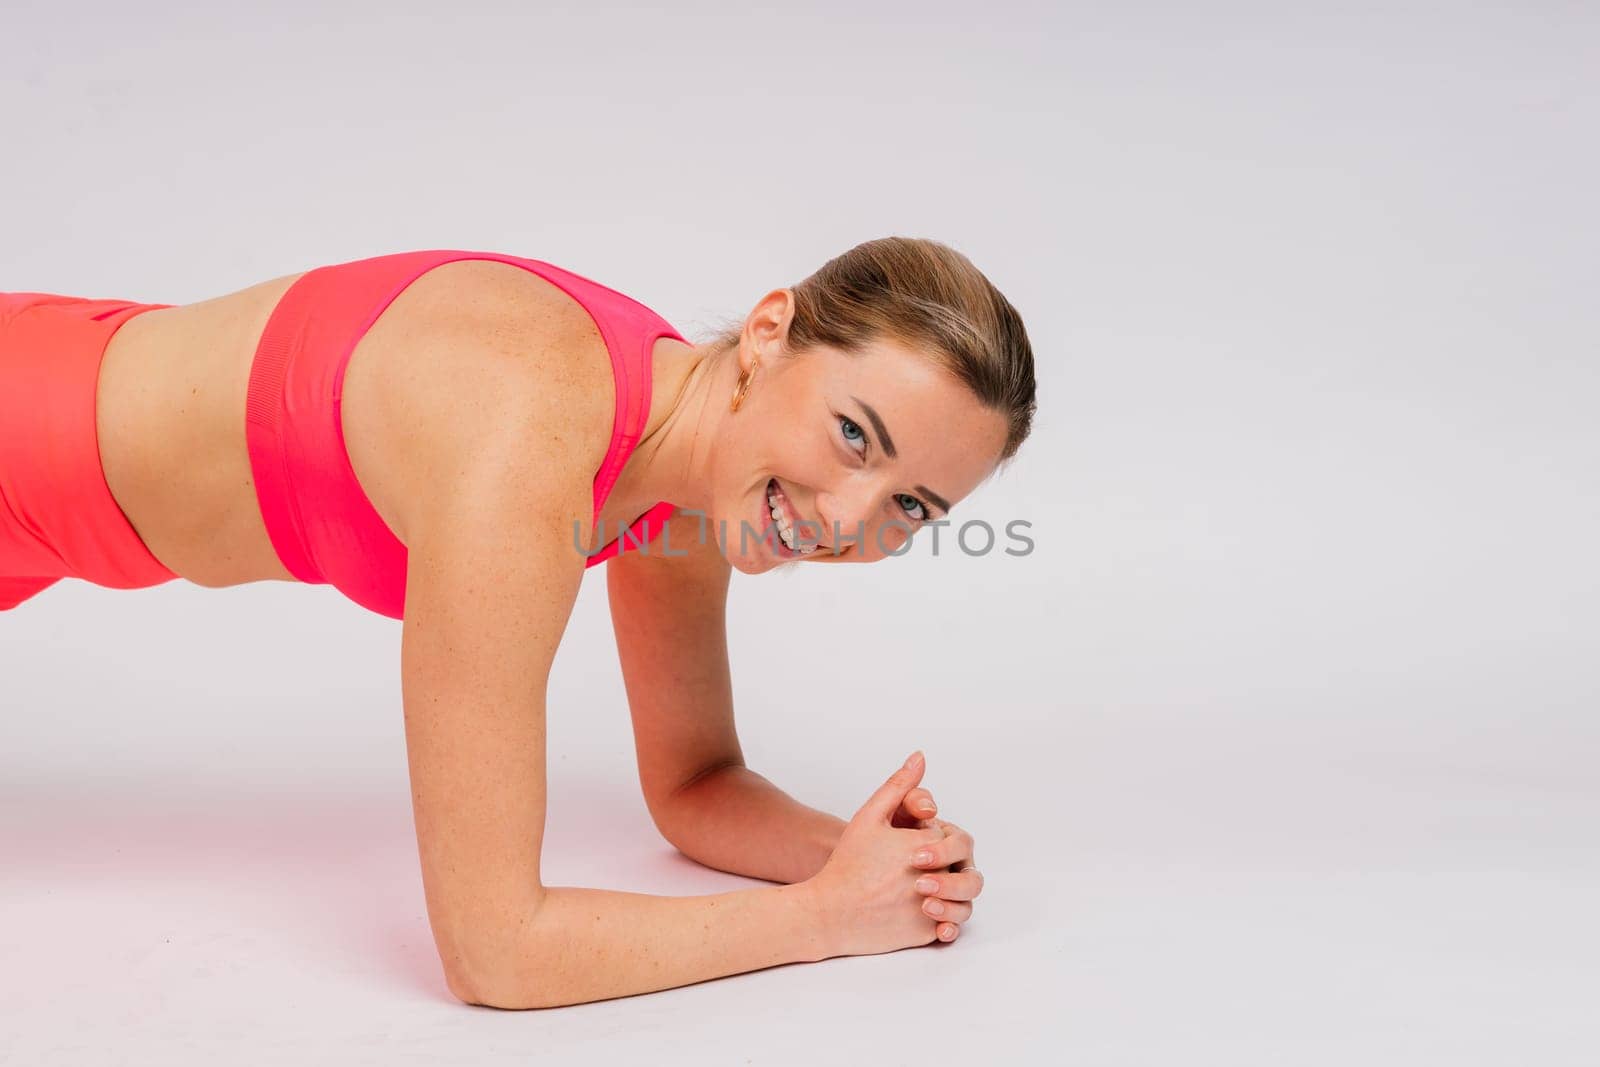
[{"x": 846, "y": 515}]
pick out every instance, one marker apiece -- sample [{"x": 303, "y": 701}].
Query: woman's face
[{"x": 860, "y": 450}]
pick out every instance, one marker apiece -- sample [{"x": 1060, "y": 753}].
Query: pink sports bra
[{"x": 322, "y": 526}]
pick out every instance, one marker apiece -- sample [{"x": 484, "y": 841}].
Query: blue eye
[
  {"x": 848, "y": 426},
  {"x": 921, "y": 512}
]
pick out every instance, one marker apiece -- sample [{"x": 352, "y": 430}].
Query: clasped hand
[
  {"x": 952, "y": 880},
  {"x": 899, "y": 875}
]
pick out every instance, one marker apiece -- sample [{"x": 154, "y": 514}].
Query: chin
[
  {"x": 755, "y": 558},
  {"x": 746, "y": 563}
]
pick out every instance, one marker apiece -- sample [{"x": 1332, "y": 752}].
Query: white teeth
[{"x": 785, "y": 531}]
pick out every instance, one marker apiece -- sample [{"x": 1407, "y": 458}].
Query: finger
[
  {"x": 888, "y": 796},
  {"x": 965, "y": 885},
  {"x": 955, "y": 848},
  {"x": 916, "y": 809},
  {"x": 947, "y": 931},
  {"x": 955, "y": 911}
]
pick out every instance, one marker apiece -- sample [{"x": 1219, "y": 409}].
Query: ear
[{"x": 766, "y": 328}]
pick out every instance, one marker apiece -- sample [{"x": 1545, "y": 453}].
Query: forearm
[
  {"x": 735, "y": 820},
  {"x": 595, "y": 944}
]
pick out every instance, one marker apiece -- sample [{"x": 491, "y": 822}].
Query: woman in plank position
[{"x": 444, "y": 436}]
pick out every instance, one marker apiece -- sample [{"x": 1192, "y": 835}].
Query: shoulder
[
  {"x": 490, "y": 369},
  {"x": 501, "y": 308}
]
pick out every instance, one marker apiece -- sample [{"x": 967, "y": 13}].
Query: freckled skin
[
  {"x": 491, "y": 590},
  {"x": 788, "y": 426}
]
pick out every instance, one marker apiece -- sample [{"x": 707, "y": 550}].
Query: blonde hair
[{"x": 929, "y": 297}]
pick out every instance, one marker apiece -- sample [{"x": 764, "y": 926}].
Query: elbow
[
  {"x": 460, "y": 984},
  {"x": 673, "y": 813},
  {"x": 496, "y": 967},
  {"x": 664, "y": 812},
  {"x": 662, "y": 815}
]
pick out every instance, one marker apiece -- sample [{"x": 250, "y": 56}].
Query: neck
[{"x": 690, "y": 388}]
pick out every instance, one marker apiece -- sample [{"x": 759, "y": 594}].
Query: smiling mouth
[{"x": 781, "y": 509}]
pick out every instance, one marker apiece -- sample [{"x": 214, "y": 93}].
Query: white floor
[{"x": 215, "y": 866}]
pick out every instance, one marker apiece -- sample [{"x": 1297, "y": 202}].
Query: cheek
[{"x": 733, "y": 494}]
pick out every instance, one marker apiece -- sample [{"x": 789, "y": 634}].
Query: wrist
[
  {"x": 824, "y": 832},
  {"x": 820, "y": 916}
]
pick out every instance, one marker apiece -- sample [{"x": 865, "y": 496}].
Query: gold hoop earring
[{"x": 744, "y": 384}]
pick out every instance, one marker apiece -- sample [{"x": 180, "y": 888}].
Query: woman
[{"x": 442, "y": 435}]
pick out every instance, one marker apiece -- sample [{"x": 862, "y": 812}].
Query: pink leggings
[{"x": 57, "y": 516}]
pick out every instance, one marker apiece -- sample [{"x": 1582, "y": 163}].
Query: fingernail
[
  {"x": 927, "y": 885},
  {"x": 929, "y": 808},
  {"x": 922, "y": 857},
  {"x": 934, "y": 907},
  {"x": 913, "y": 757},
  {"x": 947, "y": 935}
]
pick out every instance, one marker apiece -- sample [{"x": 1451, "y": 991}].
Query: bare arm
[
  {"x": 734, "y": 819},
  {"x": 669, "y": 615},
  {"x": 491, "y": 579}
]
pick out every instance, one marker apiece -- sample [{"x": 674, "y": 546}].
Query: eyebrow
[
  {"x": 889, "y": 450},
  {"x": 877, "y": 424},
  {"x": 938, "y": 501}
]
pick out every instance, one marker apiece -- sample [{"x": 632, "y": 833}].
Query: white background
[{"x": 1278, "y": 749}]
